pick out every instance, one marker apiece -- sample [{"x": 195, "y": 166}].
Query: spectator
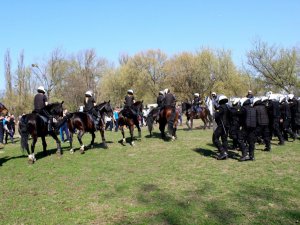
[
  {"x": 64, "y": 129},
  {"x": 179, "y": 109},
  {"x": 1, "y": 129},
  {"x": 116, "y": 117},
  {"x": 7, "y": 124},
  {"x": 108, "y": 123}
]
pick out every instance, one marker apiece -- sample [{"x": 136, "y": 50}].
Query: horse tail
[{"x": 23, "y": 130}]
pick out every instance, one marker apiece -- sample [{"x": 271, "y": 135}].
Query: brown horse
[
  {"x": 129, "y": 120},
  {"x": 165, "y": 117},
  {"x": 204, "y": 115},
  {"x": 3, "y": 110},
  {"x": 84, "y": 122}
]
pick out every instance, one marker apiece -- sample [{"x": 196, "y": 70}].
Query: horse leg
[
  {"x": 79, "y": 137},
  {"x": 44, "y": 145},
  {"x": 103, "y": 137},
  {"x": 58, "y": 152},
  {"x": 139, "y": 130},
  {"x": 131, "y": 135},
  {"x": 93, "y": 140},
  {"x": 71, "y": 142},
  {"x": 162, "y": 129},
  {"x": 192, "y": 120},
  {"x": 123, "y": 135},
  {"x": 31, "y": 157}
]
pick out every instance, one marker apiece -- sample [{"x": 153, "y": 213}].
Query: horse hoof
[
  {"x": 132, "y": 143},
  {"x": 105, "y": 146},
  {"x": 92, "y": 146},
  {"x": 30, "y": 161},
  {"x": 173, "y": 138},
  {"x": 72, "y": 151},
  {"x": 58, "y": 154}
]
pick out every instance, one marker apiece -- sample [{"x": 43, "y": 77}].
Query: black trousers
[
  {"x": 264, "y": 132},
  {"x": 221, "y": 132}
]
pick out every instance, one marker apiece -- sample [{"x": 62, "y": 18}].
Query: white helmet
[
  {"x": 213, "y": 93},
  {"x": 243, "y": 100},
  {"x": 235, "y": 101},
  {"x": 130, "y": 91},
  {"x": 89, "y": 93},
  {"x": 264, "y": 98},
  {"x": 166, "y": 90},
  {"x": 42, "y": 89},
  {"x": 161, "y": 92},
  {"x": 256, "y": 99},
  {"x": 282, "y": 99},
  {"x": 196, "y": 95},
  {"x": 291, "y": 96},
  {"x": 222, "y": 98},
  {"x": 273, "y": 97}
]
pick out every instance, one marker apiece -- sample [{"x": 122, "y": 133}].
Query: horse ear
[
  {"x": 62, "y": 102},
  {"x": 142, "y": 101},
  {"x": 108, "y": 101}
]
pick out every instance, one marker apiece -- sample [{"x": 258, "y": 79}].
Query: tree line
[{"x": 68, "y": 76}]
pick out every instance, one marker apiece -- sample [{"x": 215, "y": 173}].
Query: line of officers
[{"x": 255, "y": 119}]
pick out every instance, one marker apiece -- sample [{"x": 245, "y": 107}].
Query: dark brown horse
[
  {"x": 35, "y": 125},
  {"x": 129, "y": 120},
  {"x": 204, "y": 115},
  {"x": 3, "y": 110},
  {"x": 83, "y": 122},
  {"x": 166, "y": 116}
]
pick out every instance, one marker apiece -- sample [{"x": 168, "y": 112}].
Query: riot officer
[{"x": 222, "y": 120}]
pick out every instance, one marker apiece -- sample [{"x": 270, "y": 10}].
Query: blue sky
[{"x": 114, "y": 27}]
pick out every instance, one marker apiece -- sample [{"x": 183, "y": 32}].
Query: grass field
[{"x": 155, "y": 182}]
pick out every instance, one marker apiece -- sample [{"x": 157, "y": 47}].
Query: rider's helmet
[
  {"x": 41, "y": 89},
  {"x": 223, "y": 99},
  {"x": 196, "y": 95},
  {"x": 89, "y": 93},
  {"x": 130, "y": 92}
]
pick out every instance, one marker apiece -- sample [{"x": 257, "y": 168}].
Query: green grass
[{"x": 155, "y": 182}]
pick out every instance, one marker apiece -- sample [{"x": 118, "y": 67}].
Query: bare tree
[
  {"x": 8, "y": 75},
  {"x": 276, "y": 65}
]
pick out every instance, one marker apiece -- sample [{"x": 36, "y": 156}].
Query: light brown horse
[
  {"x": 127, "y": 118},
  {"x": 204, "y": 115},
  {"x": 168, "y": 116}
]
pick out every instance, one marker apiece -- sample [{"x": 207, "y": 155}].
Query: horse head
[
  {"x": 55, "y": 109},
  {"x": 138, "y": 106},
  {"x": 185, "y": 106},
  {"x": 105, "y": 107}
]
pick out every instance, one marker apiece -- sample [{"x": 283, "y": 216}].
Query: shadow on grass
[
  {"x": 7, "y": 158},
  {"x": 213, "y": 154},
  {"x": 250, "y": 204}
]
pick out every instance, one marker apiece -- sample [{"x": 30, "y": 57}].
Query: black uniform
[
  {"x": 295, "y": 113},
  {"x": 249, "y": 122},
  {"x": 90, "y": 109},
  {"x": 222, "y": 120},
  {"x": 274, "y": 116},
  {"x": 196, "y": 104},
  {"x": 234, "y": 130},
  {"x": 128, "y": 111},
  {"x": 39, "y": 102},
  {"x": 286, "y": 121},
  {"x": 263, "y": 124},
  {"x": 160, "y": 101}
]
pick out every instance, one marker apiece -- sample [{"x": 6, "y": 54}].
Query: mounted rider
[
  {"x": 160, "y": 99},
  {"x": 89, "y": 107},
  {"x": 40, "y": 102},
  {"x": 170, "y": 101},
  {"x": 128, "y": 111},
  {"x": 196, "y": 103}
]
